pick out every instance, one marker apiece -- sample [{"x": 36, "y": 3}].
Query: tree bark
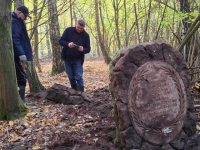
[
  {"x": 185, "y": 8},
  {"x": 33, "y": 80},
  {"x": 116, "y": 9},
  {"x": 125, "y": 24},
  {"x": 10, "y": 105},
  {"x": 194, "y": 27},
  {"x": 36, "y": 39},
  {"x": 146, "y": 38},
  {"x": 18, "y": 3},
  {"x": 57, "y": 66},
  {"x": 136, "y": 20},
  {"x": 163, "y": 15},
  {"x": 47, "y": 40},
  {"x": 71, "y": 14},
  {"x": 103, "y": 49},
  {"x": 37, "y": 20},
  {"x": 41, "y": 44}
]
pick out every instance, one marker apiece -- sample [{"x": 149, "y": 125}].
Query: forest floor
[
  {"x": 65, "y": 127},
  {"x": 49, "y": 125}
]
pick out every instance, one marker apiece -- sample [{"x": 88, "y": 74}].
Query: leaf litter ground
[{"x": 71, "y": 127}]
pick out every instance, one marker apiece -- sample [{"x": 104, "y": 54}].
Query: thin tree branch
[{"x": 166, "y": 5}]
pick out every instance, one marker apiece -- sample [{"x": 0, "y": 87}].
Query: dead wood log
[{"x": 65, "y": 95}]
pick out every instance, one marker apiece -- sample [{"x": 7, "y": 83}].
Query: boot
[
  {"x": 80, "y": 88},
  {"x": 74, "y": 87},
  {"x": 22, "y": 95}
]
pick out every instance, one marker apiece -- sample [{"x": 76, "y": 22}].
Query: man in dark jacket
[
  {"x": 76, "y": 43},
  {"x": 22, "y": 47}
]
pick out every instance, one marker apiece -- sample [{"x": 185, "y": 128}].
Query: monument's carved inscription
[{"x": 157, "y": 102}]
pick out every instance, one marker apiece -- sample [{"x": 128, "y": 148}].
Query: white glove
[{"x": 23, "y": 58}]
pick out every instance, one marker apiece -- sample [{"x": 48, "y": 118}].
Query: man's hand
[
  {"x": 23, "y": 58},
  {"x": 80, "y": 48},
  {"x": 71, "y": 45}
]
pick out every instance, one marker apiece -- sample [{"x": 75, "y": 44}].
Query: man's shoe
[
  {"x": 22, "y": 95},
  {"x": 80, "y": 88},
  {"x": 74, "y": 87}
]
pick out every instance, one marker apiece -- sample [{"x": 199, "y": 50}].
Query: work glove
[{"x": 23, "y": 58}]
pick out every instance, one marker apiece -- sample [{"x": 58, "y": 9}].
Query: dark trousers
[{"x": 21, "y": 75}]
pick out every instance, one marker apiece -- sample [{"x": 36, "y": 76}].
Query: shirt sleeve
[
  {"x": 87, "y": 47},
  {"x": 64, "y": 40}
]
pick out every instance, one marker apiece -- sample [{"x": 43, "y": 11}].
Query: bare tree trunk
[
  {"x": 104, "y": 36},
  {"x": 34, "y": 82},
  {"x": 18, "y": 3},
  {"x": 71, "y": 14},
  {"x": 173, "y": 30},
  {"x": 136, "y": 20},
  {"x": 102, "y": 23},
  {"x": 194, "y": 58},
  {"x": 10, "y": 106},
  {"x": 116, "y": 9},
  {"x": 37, "y": 20},
  {"x": 47, "y": 40},
  {"x": 125, "y": 24},
  {"x": 104, "y": 52},
  {"x": 36, "y": 39},
  {"x": 146, "y": 38},
  {"x": 194, "y": 27},
  {"x": 41, "y": 45},
  {"x": 57, "y": 66},
  {"x": 185, "y": 8},
  {"x": 97, "y": 46},
  {"x": 160, "y": 23},
  {"x": 75, "y": 18}
]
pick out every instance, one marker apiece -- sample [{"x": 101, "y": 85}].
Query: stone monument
[{"x": 153, "y": 107}]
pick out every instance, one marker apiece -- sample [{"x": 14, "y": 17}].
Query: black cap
[{"x": 24, "y": 10}]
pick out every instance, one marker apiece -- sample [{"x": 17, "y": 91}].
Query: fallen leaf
[
  {"x": 45, "y": 110},
  {"x": 29, "y": 114},
  {"x": 57, "y": 131},
  {"x": 49, "y": 123},
  {"x": 28, "y": 107},
  {"x": 36, "y": 147},
  {"x": 88, "y": 125},
  {"x": 43, "y": 123},
  {"x": 39, "y": 138},
  {"x": 11, "y": 123},
  {"x": 11, "y": 140},
  {"x": 1, "y": 130},
  {"x": 75, "y": 123}
]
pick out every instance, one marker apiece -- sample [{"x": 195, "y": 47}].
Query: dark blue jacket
[
  {"x": 71, "y": 35},
  {"x": 21, "y": 41}
]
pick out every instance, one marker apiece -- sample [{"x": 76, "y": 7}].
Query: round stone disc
[{"x": 157, "y": 102}]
